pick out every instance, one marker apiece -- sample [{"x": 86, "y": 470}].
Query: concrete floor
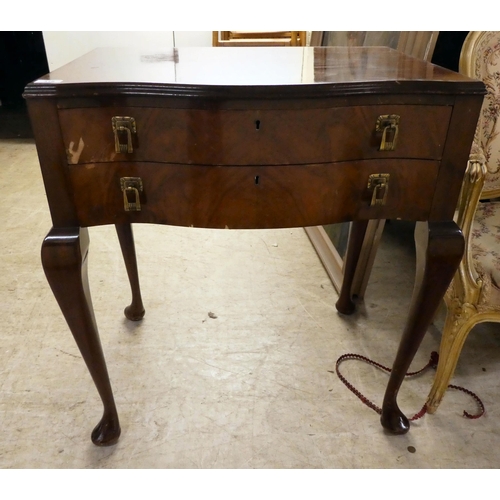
[{"x": 231, "y": 367}]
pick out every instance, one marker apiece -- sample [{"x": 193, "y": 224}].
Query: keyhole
[
  {"x": 257, "y": 180},
  {"x": 257, "y": 124}
]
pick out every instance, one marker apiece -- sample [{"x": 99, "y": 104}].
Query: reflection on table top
[{"x": 256, "y": 66}]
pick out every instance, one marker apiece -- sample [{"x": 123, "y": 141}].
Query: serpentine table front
[{"x": 250, "y": 138}]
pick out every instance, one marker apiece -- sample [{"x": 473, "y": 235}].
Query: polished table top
[{"x": 221, "y": 67}]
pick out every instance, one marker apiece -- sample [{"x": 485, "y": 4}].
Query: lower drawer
[{"x": 253, "y": 196}]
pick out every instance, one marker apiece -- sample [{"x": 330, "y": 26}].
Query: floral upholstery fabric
[
  {"x": 487, "y": 69},
  {"x": 485, "y": 245}
]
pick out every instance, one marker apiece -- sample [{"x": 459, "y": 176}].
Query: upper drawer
[{"x": 254, "y": 137}]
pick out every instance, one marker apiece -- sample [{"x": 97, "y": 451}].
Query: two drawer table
[{"x": 245, "y": 138}]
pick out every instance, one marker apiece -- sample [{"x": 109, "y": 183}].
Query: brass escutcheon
[
  {"x": 389, "y": 126},
  {"x": 123, "y": 128},
  {"x": 379, "y": 183},
  {"x": 131, "y": 187}
]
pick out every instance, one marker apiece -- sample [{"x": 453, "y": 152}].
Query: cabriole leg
[
  {"x": 135, "y": 311},
  {"x": 345, "y": 304},
  {"x": 440, "y": 246},
  {"x": 64, "y": 259}
]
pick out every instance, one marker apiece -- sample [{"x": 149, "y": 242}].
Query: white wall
[
  {"x": 192, "y": 38},
  {"x": 64, "y": 46}
]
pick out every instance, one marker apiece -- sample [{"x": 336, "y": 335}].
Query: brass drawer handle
[
  {"x": 389, "y": 126},
  {"x": 131, "y": 187},
  {"x": 123, "y": 128},
  {"x": 379, "y": 183}
]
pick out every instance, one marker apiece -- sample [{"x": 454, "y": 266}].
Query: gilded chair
[{"x": 474, "y": 294}]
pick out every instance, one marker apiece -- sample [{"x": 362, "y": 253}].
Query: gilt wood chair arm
[
  {"x": 472, "y": 187},
  {"x": 469, "y": 282}
]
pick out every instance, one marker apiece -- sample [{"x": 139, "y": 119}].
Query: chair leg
[
  {"x": 135, "y": 311},
  {"x": 455, "y": 332},
  {"x": 64, "y": 260}
]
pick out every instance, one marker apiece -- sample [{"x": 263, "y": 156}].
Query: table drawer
[
  {"x": 246, "y": 197},
  {"x": 253, "y": 137}
]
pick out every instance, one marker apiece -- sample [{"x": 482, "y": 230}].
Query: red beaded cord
[{"x": 433, "y": 360}]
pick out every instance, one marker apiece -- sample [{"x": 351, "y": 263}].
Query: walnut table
[{"x": 250, "y": 138}]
